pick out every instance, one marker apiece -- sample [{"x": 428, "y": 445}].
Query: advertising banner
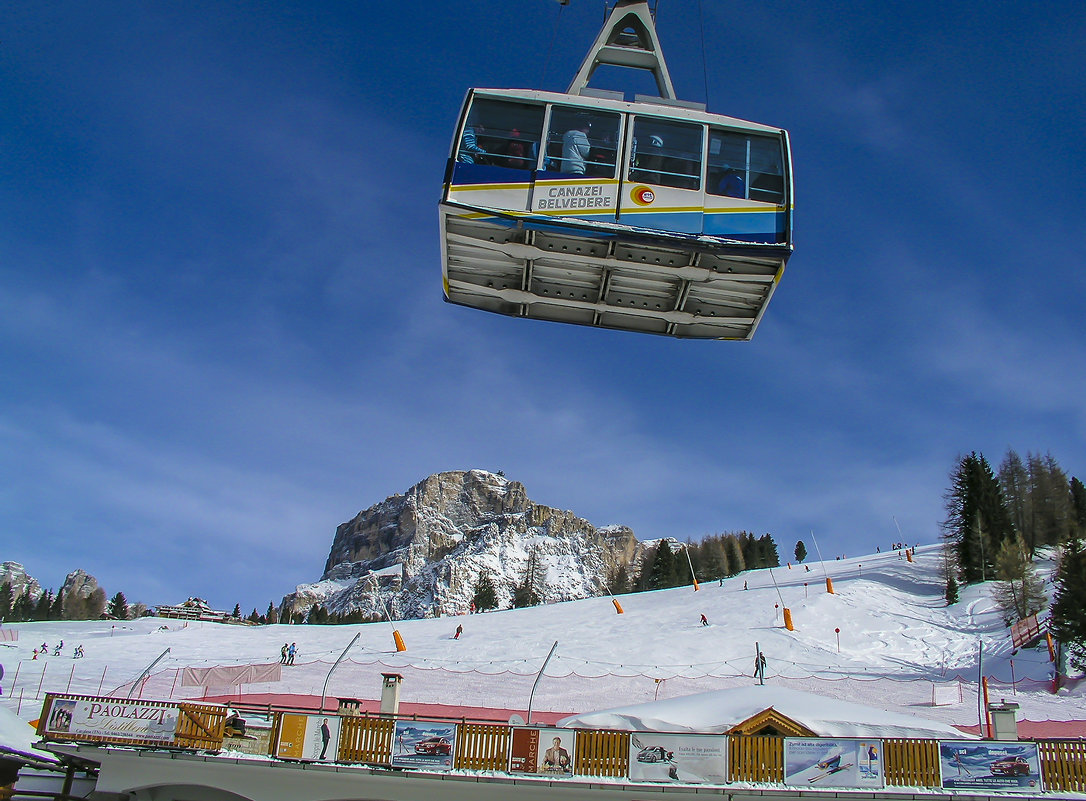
[
  {"x": 547, "y": 752},
  {"x": 833, "y": 763},
  {"x": 117, "y": 721},
  {"x": 423, "y": 745},
  {"x": 1002, "y": 766},
  {"x": 686, "y": 758},
  {"x": 312, "y": 738}
]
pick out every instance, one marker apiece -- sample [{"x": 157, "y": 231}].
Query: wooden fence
[
  {"x": 756, "y": 759},
  {"x": 602, "y": 753},
  {"x": 909, "y": 762},
  {"x": 481, "y": 746},
  {"x": 1063, "y": 765},
  {"x": 366, "y": 740}
]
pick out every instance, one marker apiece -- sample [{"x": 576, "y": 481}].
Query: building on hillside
[{"x": 194, "y": 609}]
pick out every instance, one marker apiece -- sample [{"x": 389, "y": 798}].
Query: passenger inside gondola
[
  {"x": 576, "y": 147},
  {"x": 470, "y": 152},
  {"x": 730, "y": 184}
]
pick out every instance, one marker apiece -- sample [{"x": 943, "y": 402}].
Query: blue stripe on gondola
[
  {"x": 683, "y": 222},
  {"x": 468, "y": 174},
  {"x": 757, "y": 227}
]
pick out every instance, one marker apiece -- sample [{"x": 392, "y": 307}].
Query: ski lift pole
[
  {"x": 535, "y": 684},
  {"x": 689, "y": 562},
  {"x": 614, "y": 600},
  {"x": 395, "y": 634},
  {"x": 146, "y": 671},
  {"x": 821, "y": 561},
  {"x": 324, "y": 690},
  {"x": 787, "y": 611}
]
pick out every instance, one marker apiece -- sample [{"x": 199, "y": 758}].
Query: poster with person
[
  {"x": 311, "y": 738},
  {"x": 810, "y": 762},
  {"x": 999, "y": 766},
  {"x": 424, "y": 745},
  {"x": 686, "y": 758},
  {"x": 547, "y": 752}
]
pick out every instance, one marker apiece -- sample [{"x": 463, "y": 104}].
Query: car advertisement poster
[
  {"x": 113, "y": 721},
  {"x": 547, "y": 752},
  {"x": 311, "y": 738},
  {"x": 423, "y": 745},
  {"x": 1003, "y": 766},
  {"x": 687, "y": 758},
  {"x": 833, "y": 763}
]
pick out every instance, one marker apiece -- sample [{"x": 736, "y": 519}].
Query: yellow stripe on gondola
[{"x": 488, "y": 187}]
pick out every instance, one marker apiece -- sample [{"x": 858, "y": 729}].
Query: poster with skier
[
  {"x": 833, "y": 763},
  {"x": 423, "y": 745},
  {"x": 686, "y": 758},
  {"x": 1003, "y": 766},
  {"x": 542, "y": 751}
]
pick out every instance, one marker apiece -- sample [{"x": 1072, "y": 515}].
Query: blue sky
[{"x": 221, "y": 324}]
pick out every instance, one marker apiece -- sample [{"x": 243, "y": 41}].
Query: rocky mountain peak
[{"x": 422, "y": 552}]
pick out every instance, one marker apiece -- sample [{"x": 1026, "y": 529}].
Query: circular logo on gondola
[{"x": 642, "y": 195}]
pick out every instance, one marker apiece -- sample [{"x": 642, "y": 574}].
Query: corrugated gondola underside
[{"x": 618, "y": 278}]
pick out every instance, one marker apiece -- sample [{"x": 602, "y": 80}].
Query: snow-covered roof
[
  {"x": 721, "y": 710},
  {"x": 18, "y": 736}
]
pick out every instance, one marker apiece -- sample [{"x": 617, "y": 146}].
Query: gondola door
[
  {"x": 577, "y": 174},
  {"x": 663, "y": 186}
]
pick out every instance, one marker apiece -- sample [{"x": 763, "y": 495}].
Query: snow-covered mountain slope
[{"x": 898, "y": 644}]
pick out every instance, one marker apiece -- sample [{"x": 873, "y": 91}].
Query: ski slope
[{"x": 897, "y": 642}]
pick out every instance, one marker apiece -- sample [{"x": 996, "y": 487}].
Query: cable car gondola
[{"x": 652, "y": 216}]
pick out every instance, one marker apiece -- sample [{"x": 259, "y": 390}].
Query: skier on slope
[{"x": 704, "y": 620}]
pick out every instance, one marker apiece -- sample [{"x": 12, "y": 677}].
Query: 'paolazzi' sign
[{"x": 112, "y": 720}]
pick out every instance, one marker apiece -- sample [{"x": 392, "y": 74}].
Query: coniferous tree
[
  {"x": 56, "y": 608},
  {"x": 118, "y": 607},
  {"x": 1068, "y": 623},
  {"x": 485, "y": 596},
  {"x": 23, "y": 608},
  {"x": 977, "y": 521},
  {"x": 96, "y": 604},
  {"x": 801, "y": 551},
  {"x": 1018, "y": 590},
  {"x": 951, "y": 592},
  {"x": 618, "y": 582},
  {"x": 736, "y": 561},
  {"x": 1078, "y": 508},
  {"x": 1049, "y": 502},
  {"x": 272, "y": 615},
  {"x": 237, "y": 612},
  {"x": 7, "y": 600},
  {"x": 662, "y": 573},
  {"x": 75, "y": 606},
  {"x": 527, "y": 592},
  {"x": 1014, "y": 482},
  {"x": 44, "y": 604}
]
